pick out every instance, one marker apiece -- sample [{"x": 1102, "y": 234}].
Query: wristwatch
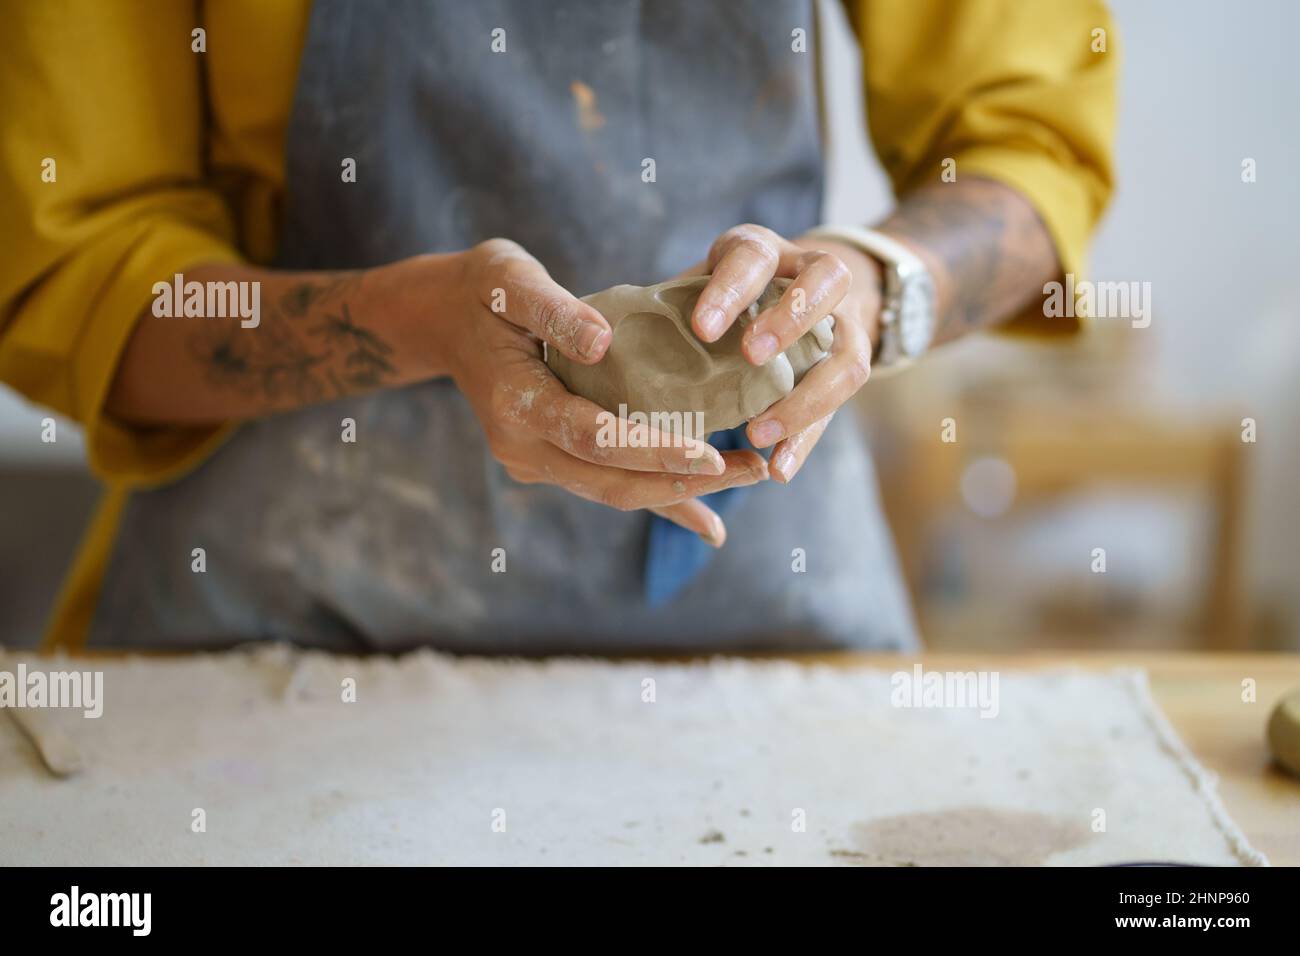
[{"x": 907, "y": 317}]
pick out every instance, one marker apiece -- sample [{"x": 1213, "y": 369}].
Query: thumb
[{"x": 519, "y": 289}]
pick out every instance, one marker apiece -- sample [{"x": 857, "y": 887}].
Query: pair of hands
[{"x": 541, "y": 432}]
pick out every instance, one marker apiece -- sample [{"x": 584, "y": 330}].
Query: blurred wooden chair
[{"x": 1057, "y": 448}]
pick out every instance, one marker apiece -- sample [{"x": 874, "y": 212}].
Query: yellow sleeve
[
  {"x": 103, "y": 191},
  {"x": 1012, "y": 90}
]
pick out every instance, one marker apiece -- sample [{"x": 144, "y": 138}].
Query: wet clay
[
  {"x": 965, "y": 836},
  {"x": 1284, "y": 732},
  {"x": 655, "y": 364}
]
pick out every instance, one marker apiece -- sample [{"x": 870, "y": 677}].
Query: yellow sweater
[{"x": 126, "y": 156}]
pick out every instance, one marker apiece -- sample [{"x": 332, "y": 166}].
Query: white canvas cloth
[{"x": 446, "y": 761}]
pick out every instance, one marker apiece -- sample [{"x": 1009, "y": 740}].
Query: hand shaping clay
[{"x": 655, "y": 363}]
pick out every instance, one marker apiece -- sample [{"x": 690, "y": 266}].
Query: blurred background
[{"x": 1125, "y": 440}]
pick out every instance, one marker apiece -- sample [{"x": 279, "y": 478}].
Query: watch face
[{"x": 916, "y": 314}]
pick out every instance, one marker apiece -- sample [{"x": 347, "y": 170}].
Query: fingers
[
  {"x": 517, "y": 287},
  {"x": 822, "y": 282},
  {"x": 531, "y": 397},
  {"x": 789, "y": 456},
  {"x": 743, "y": 261},
  {"x": 695, "y": 515},
  {"x": 827, "y": 385},
  {"x": 631, "y": 491}
]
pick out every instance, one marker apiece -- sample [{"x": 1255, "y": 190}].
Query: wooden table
[{"x": 1201, "y": 694}]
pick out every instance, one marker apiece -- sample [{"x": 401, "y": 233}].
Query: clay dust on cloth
[{"x": 310, "y": 758}]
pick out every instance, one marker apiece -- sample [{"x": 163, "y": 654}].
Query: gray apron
[{"x": 389, "y": 543}]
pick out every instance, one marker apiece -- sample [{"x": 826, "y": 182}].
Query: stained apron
[{"x": 390, "y": 542}]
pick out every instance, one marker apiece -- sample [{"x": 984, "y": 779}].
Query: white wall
[
  {"x": 1205, "y": 85},
  {"x": 20, "y": 435}
]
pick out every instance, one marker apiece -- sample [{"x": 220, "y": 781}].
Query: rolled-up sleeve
[
  {"x": 1018, "y": 91},
  {"x": 103, "y": 190}
]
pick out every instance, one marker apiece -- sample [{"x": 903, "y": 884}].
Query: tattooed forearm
[
  {"x": 309, "y": 347},
  {"x": 301, "y": 296},
  {"x": 990, "y": 252},
  {"x": 312, "y": 337}
]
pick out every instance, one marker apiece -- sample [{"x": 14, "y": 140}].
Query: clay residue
[
  {"x": 584, "y": 97},
  {"x": 777, "y": 97},
  {"x": 965, "y": 836}
]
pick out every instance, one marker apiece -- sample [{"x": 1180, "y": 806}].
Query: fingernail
[
  {"x": 786, "y": 465},
  {"x": 762, "y": 347},
  {"x": 707, "y": 464},
  {"x": 717, "y": 535},
  {"x": 711, "y": 321},
  {"x": 767, "y": 433},
  {"x": 591, "y": 339}
]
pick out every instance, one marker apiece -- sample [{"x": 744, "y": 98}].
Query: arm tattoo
[
  {"x": 993, "y": 251},
  {"x": 309, "y": 346}
]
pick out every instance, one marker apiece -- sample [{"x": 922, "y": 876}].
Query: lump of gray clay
[
  {"x": 656, "y": 364},
  {"x": 1284, "y": 731}
]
